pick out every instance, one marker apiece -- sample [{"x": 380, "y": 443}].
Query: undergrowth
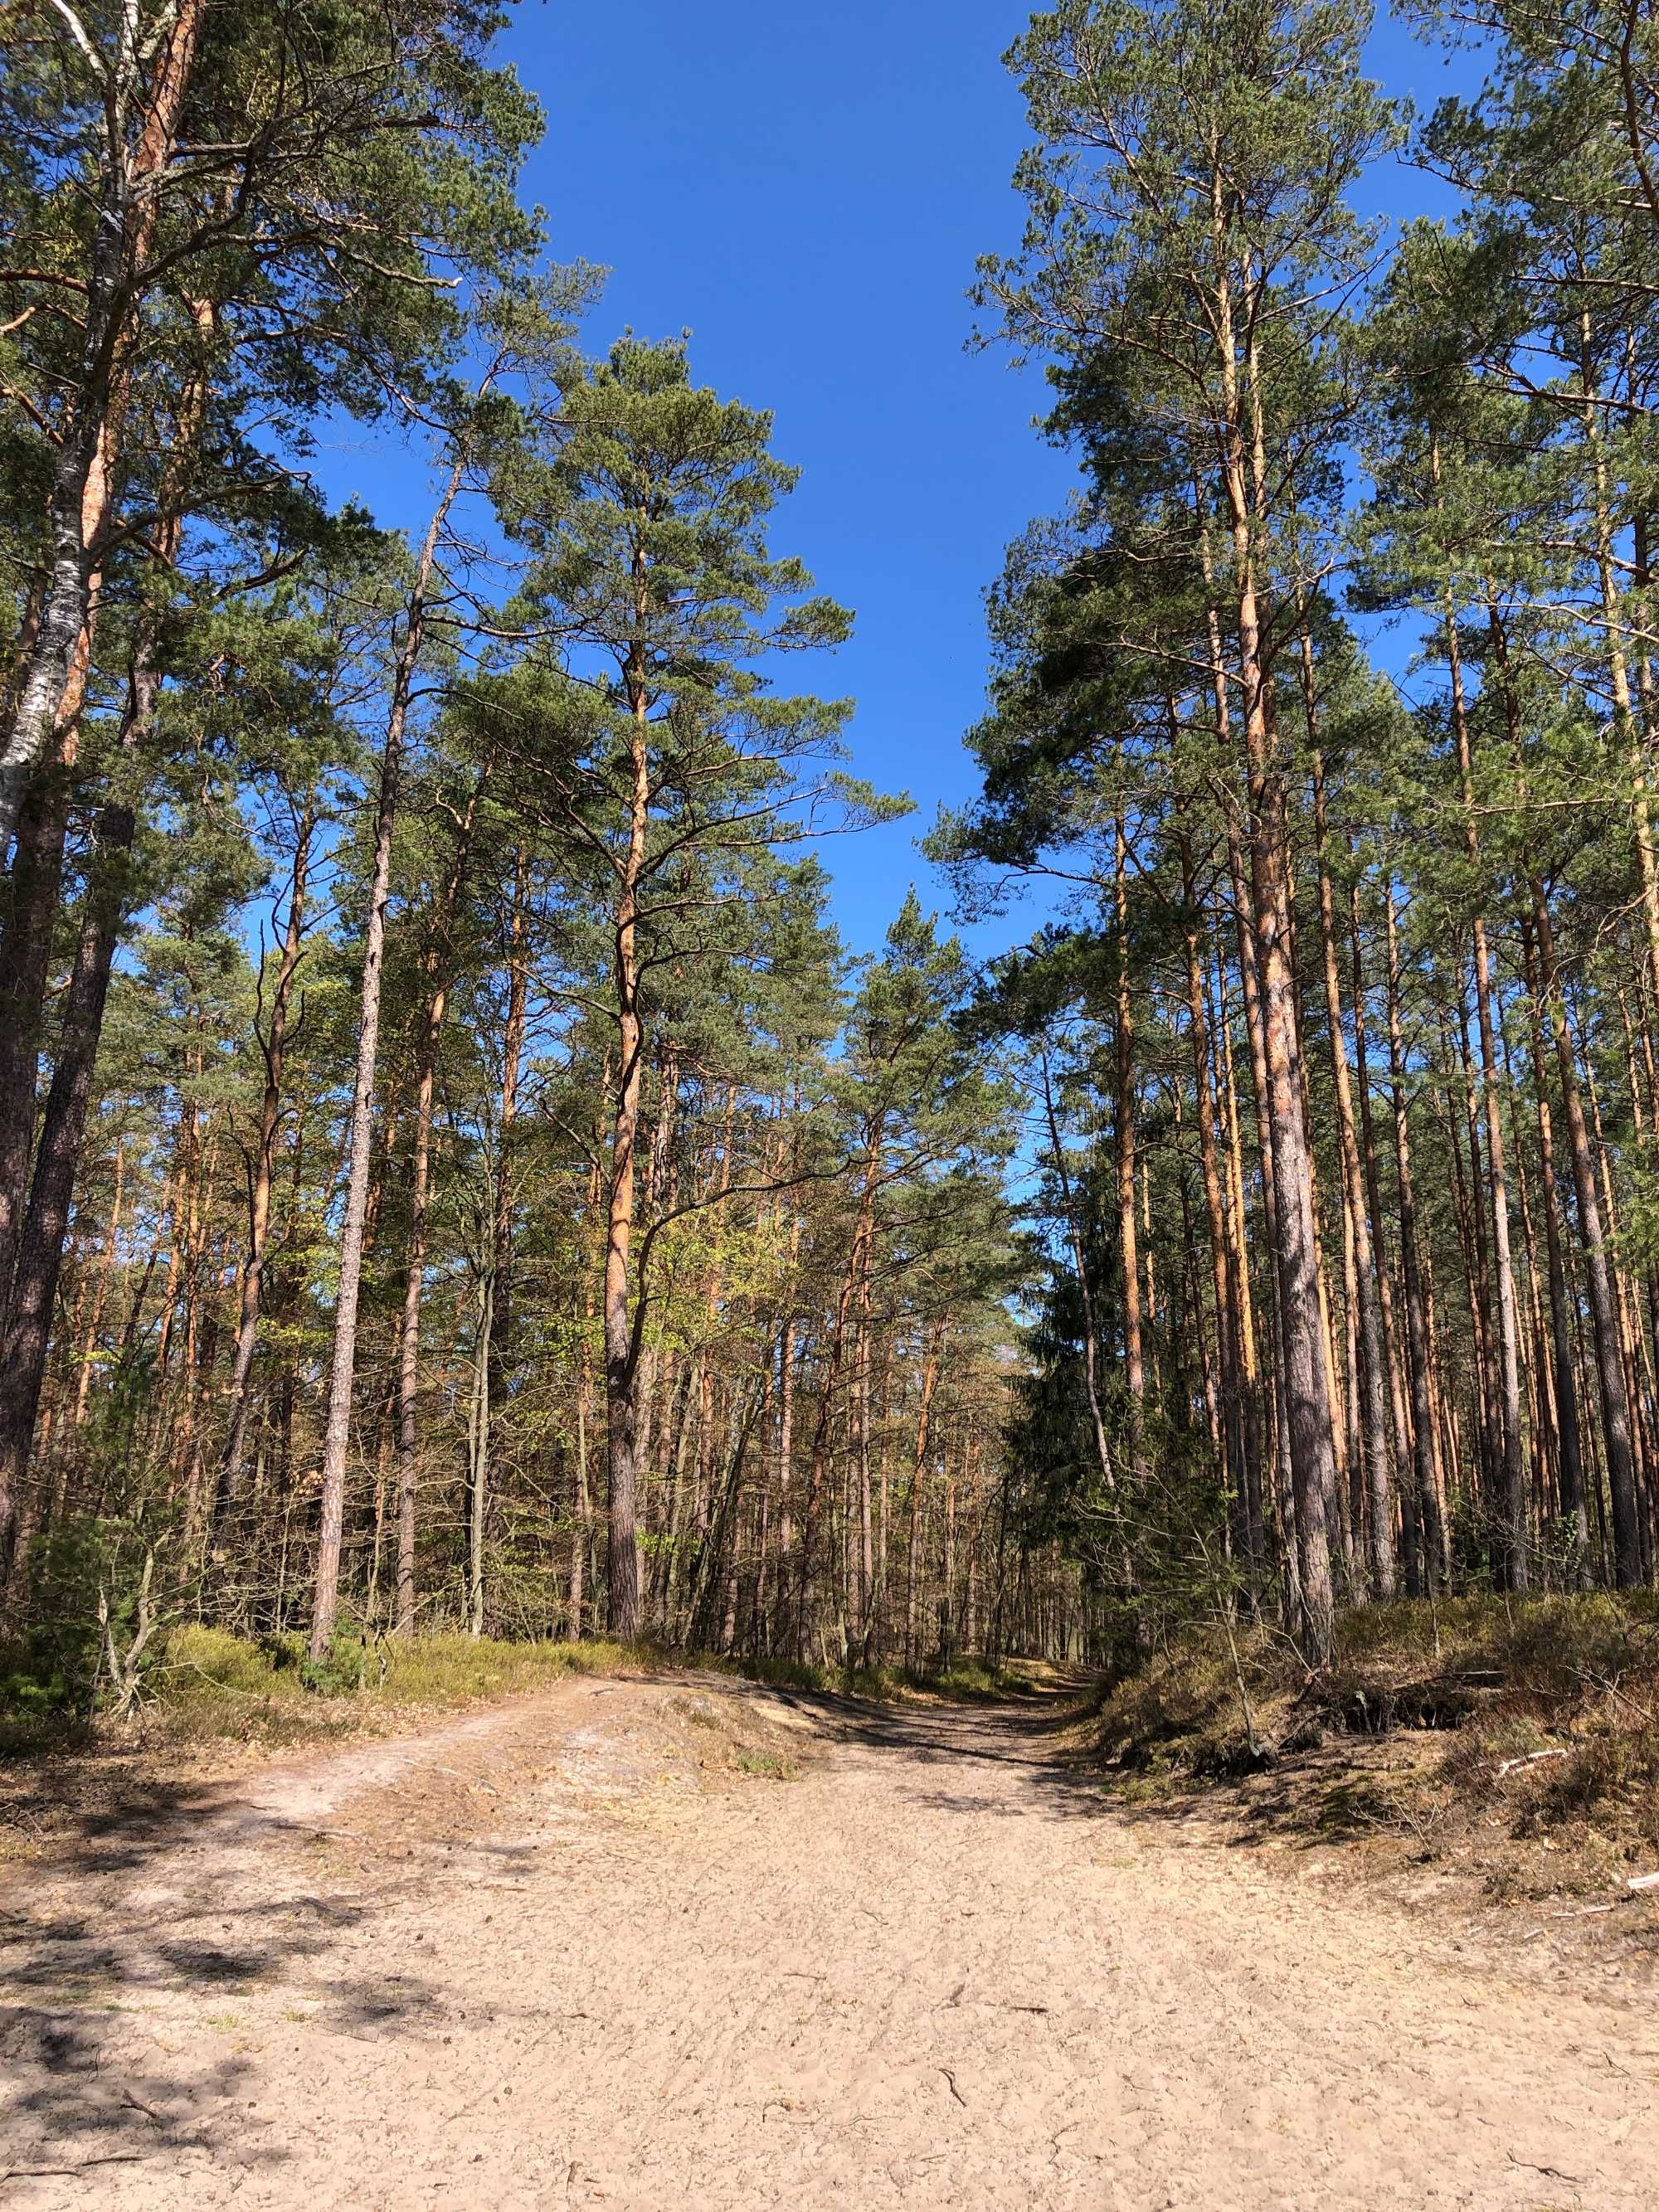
[
  {"x": 208, "y": 1685},
  {"x": 1547, "y": 1708},
  {"x": 202, "y": 1686}
]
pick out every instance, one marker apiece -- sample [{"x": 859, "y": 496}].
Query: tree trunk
[
  {"x": 477, "y": 1454},
  {"x": 1123, "y": 1147},
  {"x": 343, "y": 1366},
  {"x": 1604, "y": 1316},
  {"x": 1615, "y": 1412},
  {"x": 622, "y": 1347},
  {"x": 1231, "y": 1411},
  {"x": 918, "y": 1470},
  {"x": 1374, "y": 1414},
  {"x": 1432, "y": 1553},
  {"x": 435, "y": 965},
  {"x": 262, "y": 1170},
  {"x": 100, "y": 1297},
  {"x": 512, "y": 1064},
  {"x": 819, "y": 1468},
  {"x": 46, "y": 1221},
  {"x": 1307, "y": 1399},
  {"x": 37, "y": 877},
  {"x": 1514, "y": 1470}
]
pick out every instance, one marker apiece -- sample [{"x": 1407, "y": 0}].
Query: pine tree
[{"x": 650, "y": 521}]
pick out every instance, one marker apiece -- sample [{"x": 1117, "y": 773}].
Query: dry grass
[
  {"x": 1523, "y": 1733},
  {"x": 211, "y": 1687},
  {"x": 965, "y": 1681}
]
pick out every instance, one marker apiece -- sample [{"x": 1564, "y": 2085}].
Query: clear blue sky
[{"x": 806, "y": 190}]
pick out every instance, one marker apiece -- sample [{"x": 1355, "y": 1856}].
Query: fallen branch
[
  {"x": 1578, "y": 2180},
  {"x": 39, "y": 2172},
  {"x": 1531, "y": 1760}
]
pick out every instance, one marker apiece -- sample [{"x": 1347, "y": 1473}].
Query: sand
[{"x": 684, "y": 1943}]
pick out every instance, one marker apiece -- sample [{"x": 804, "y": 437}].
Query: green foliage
[
  {"x": 344, "y": 1668},
  {"x": 51, "y": 1668},
  {"x": 54, "y": 1664}
]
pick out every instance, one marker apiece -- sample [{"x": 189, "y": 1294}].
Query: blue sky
[{"x": 807, "y": 190}]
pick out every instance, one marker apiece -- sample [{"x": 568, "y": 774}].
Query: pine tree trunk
[
  {"x": 583, "y": 1536},
  {"x": 435, "y": 968},
  {"x": 1255, "y": 1030},
  {"x": 477, "y": 1454},
  {"x": 1604, "y": 1318},
  {"x": 818, "y": 1468},
  {"x": 409, "y": 1320},
  {"x": 37, "y": 874},
  {"x": 1514, "y": 1470},
  {"x": 501, "y": 1316},
  {"x": 1570, "y": 1444},
  {"x": 1254, "y": 1534},
  {"x": 621, "y": 1348},
  {"x": 1123, "y": 1143},
  {"x": 100, "y": 1297},
  {"x": 262, "y": 1172},
  {"x": 786, "y": 1468},
  {"x": 867, "y": 1591},
  {"x": 1469, "y": 1218},
  {"x": 1431, "y": 1562},
  {"x": 1232, "y": 1383},
  {"x": 1615, "y": 1412},
  {"x": 1373, "y": 1422},
  {"x": 343, "y": 1366},
  {"x": 918, "y": 1473},
  {"x": 46, "y": 1221},
  {"x": 1310, "y": 1436}
]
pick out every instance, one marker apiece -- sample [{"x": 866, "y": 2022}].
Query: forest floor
[{"x": 691, "y": 1943}]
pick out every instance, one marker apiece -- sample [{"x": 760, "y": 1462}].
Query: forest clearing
[
  {"x": 692, "y": 1940},
  {"x": 802, "y": 1406}
]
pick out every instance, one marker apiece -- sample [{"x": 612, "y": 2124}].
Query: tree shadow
[
  {"x": 1026, "y": 1735},
  {"x": 90, "y": 2075}
]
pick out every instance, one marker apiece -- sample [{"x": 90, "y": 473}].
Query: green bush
[{"x": 343, "y": 1668}]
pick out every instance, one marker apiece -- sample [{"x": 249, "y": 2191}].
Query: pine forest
[
  {"x": 1033, "y": 1209},
  {"x": 452, "y": 1172}
]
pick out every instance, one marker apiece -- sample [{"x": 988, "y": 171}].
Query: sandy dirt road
[{"x": 593, "y": 1950}]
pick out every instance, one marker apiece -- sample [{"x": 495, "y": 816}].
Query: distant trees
[{"x": 216, "y": 227}]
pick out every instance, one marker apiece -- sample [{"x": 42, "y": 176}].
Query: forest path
[{"x": 591, "y": 1949}]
